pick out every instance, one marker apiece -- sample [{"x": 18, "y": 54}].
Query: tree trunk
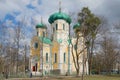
[
  {"x": 90, "y": 57},
  {"x": 78, "y": 72}
]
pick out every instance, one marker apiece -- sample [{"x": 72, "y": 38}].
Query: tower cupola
[
  {"x": 41, "y": 25},
  {"x": 59, "y": 15},
  {"x": 41, "y": 29}
]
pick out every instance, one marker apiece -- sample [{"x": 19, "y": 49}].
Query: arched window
[
  {"x": 43, "y": 34},
  {"x": 56, "y": 26},
  {"x": 35, "y": 45},
  {"x": 55, "y": 58},
  {"x": 46, "y": 57},
  {"x": 53, "y": 29},
  {"x": 64, "y": 57},
  {"x": 37, "y": 33},
  {"x": 63, "y": 26}
]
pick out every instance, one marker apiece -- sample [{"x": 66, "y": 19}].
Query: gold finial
[{"x": 60, "y": 6}]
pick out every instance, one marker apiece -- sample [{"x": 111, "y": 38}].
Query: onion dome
[
  {"x": 41, "y": 25},
  {"x": 59, "y": 15},
  {"x": 76, "y": 26}
]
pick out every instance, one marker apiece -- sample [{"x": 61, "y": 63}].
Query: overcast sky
[
  {"x": 16, "y": 9},
  {"x": 12, "y": 11}
]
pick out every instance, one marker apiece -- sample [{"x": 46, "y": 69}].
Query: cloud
[
  {"x": 112, "y": 9},
  {"x": 44, "y": 8},
  {"x": 109, "y": 9},
  {"x": 32, "y": 10}
]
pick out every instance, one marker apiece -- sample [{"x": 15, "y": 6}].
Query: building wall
[
  {"x": 80, "y": 46},
  {"x": 59, "y": 46},
  {"x": 59, "y": 49},
  {"x": 47, "y": 65},
  {"x": 34, "y": 52},
  {"x": 40, "y": 31},
  {"x": 55, "y": 49},
  {"x": 57, "y": 33}
]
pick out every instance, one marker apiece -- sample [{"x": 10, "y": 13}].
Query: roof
[
  {"x": 41, "y": 25},
  {"x": 76, "y": 26},
  {"x": 45, "y": 40},
  {"x": 59, "y": 15}
]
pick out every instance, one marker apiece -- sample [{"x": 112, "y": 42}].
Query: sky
[
  {"x": 15, "y": 10},
  {"x": 31, "y": 11}
]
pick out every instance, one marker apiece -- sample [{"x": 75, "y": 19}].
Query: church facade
[{"x": 54, "y": 56}]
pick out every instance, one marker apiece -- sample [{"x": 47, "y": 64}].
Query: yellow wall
[
  {"x": 65, "y": 65},
  {"x": 55, "y": 49},
  {"x": 35, "y": 51}
]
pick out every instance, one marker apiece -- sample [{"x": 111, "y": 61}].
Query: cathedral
[{"x": 53, "y": 56}]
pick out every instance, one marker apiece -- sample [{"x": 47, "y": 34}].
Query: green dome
[
  {"x": 76, "y": 26},
  {"x": 41, "y": 25},
  {"x": 59, "y": 15}
]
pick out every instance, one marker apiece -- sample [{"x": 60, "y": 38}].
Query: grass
[
  {"x": 102, "y": 78},
  {"x": 94, "y": 77}
]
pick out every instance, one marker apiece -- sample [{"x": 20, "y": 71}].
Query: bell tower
[
  {"x": 60, "y": 23},
  {"x": 41, "y": 29}
]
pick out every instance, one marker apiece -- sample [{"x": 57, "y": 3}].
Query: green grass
[
  {"x": 94, "y": 77},
  {"x": 101, "y": 78}
]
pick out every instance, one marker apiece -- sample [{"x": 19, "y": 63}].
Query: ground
[{"x": 94, "y": 77}]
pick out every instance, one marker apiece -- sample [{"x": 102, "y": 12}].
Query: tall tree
[
  {"x": 19, "y": 36},
  {"x": 78, "y": 50},
  {"x": 89, "y": 28}
]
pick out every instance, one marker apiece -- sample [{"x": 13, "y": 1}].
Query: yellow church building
[{"x": 53, "y": 56}]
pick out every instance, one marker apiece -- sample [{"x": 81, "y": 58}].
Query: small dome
[
  {"x": 41, "y": 25},
  {"x": 59, "y": 15},
  {"x": 76, "y": 26}
]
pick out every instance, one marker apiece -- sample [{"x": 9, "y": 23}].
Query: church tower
[
  {"x": 55, "y": 56},
  {"x": 41, "y": 29},
  {"x": 60, "y": 23}
]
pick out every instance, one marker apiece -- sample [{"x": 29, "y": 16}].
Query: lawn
[{"x": 94, "y": 77}]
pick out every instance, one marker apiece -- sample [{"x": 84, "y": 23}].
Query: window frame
[
  {"x": 36, "y": 45},
  {"x": 64, "y": 55},
  {"x": 43, "y": 34},
  {"x": 56, "y": 26},
  {"x": 55, "y": 58},
  {"x": 47, "y": 58},
  {"x": 63, "y": 26}
]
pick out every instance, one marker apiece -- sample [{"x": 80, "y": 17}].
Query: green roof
[
  {"x": 76, "y": 26},
  {"x": 45, "y": 40},
  {"x": 59, "y": 15},
  {"x": 41, "y": 25}
]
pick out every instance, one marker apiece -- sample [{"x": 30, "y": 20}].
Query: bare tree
[
  {"x": 78, "y": 49},
  {"x": 18, "y": 38},
  {"x": 109, "y": 53}
]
